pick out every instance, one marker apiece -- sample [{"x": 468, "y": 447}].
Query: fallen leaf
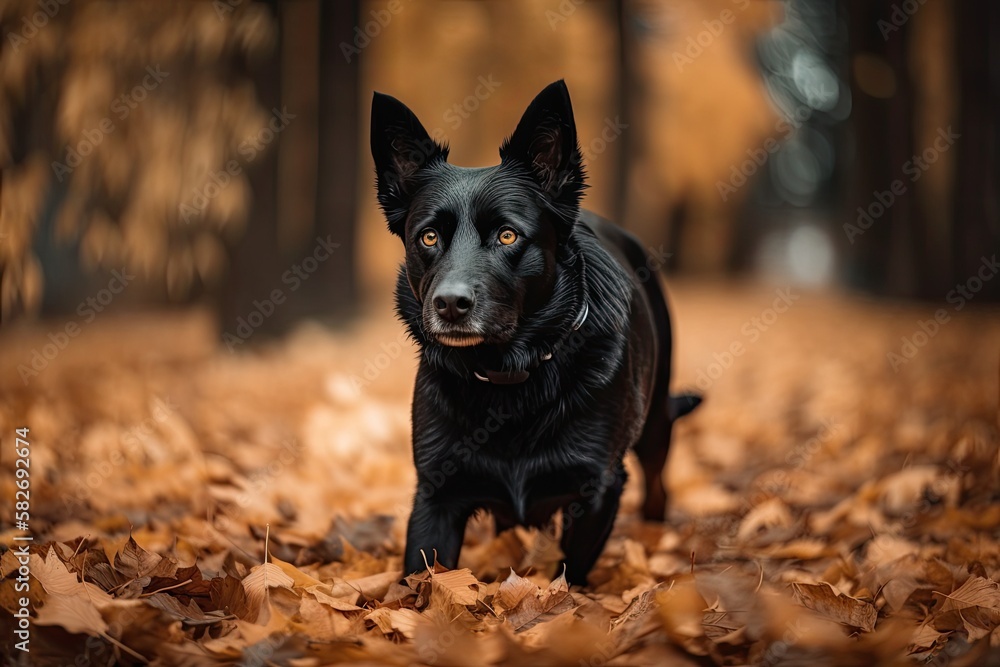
[
  {"x": 299, "y": 578},
  {"x": 455, "y": 584},
  {"x": 533, "y": 609},
  {"x": 977, "y": 602},
  {"x": 825, "y": 600},
  {"x": 73, "y": 613},
  {"x": 173, "y": 606},
  {"x": 512, "y": 590},
  {"x": 134, "y": 562},
  {"x": 322, "y": 593},
  {"x": 403, "y": 621},
  {"x": 261, "y": 580},
  {"x": 682, "y": 610}
]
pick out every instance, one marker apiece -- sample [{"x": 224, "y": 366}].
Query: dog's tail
[{"x": 679, "y": 405}]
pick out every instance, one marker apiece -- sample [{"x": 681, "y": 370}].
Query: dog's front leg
[
  {"x": 435, "y": 525},
  {"x": 587, "y": 526}
]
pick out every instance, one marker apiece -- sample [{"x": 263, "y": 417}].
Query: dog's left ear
[{"x": 545, "y": 143}]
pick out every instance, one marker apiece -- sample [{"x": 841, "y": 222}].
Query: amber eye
[
  {"x": 507, "y": 236},
  {"x": 429, "y": 238}
]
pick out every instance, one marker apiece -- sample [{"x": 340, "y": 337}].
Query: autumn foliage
[{"x": 193, "y": 507}]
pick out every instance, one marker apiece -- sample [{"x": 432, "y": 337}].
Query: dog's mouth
[{"x": 459, "y": 339}]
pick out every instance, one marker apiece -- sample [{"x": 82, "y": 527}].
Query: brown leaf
[
  {"x": 322, "y": 621},
  {"x": 682, "y": 610},
  {"x": 299, "y": 578},
  {"x": 73, "y": 613},
  {"x": 977, "y": 603},
  {"x": 173, "y": 606},
  {"x": 925, "y": 637},
  {"x": 186, "y": 581},
  {"x": 976, "y": 592},
  {"x": 373, "y": 587},
  {"x": 403, "y": 621},
  {"x": 228, "y": 595},
  {"x": 771, "y": 513},
  {"x": 455, "y": 584},
  {"x": 261, "y": 580},
  {"x": 825, "y": 600},
  {"x": 72, "y": 604},
  {"x": 533, "y": 609},
  {"x": 52, "y": 574},
  {"x": 134, "y": 562},
  {"x": 322, "y": 594},
  {"x": 512, "y": 590}
]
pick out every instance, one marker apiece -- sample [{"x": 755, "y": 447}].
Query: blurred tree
[
  {"x": 137, "y": 134},
  {"x": 306, "y": 190},
  {"x": 925, "y": 85},
  {"x": 117, "y": 123},
  {"x": 977, "y": 202}
]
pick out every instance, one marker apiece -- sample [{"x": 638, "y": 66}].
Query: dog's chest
[{"x": 529, "y": 490}]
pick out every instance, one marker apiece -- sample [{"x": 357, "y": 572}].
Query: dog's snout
[{"x": 453, "y": 301}]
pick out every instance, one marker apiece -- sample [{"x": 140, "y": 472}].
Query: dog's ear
[
  {"x": 545, "y": 143},
  {"x": 402, "y": 149}
]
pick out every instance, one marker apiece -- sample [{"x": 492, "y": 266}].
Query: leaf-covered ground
[{"x": 196, "y": 507}]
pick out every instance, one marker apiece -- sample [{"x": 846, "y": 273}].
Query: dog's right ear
[{"x": 402, "y": 149}]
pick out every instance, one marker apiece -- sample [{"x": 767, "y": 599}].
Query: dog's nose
[{"x": 454, "y": 301}]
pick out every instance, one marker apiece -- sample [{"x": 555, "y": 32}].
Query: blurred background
[
  {"x": 196, "y": 288},
  {"x": 206, "y": 146}
]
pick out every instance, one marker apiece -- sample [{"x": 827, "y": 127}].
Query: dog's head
[{"x": 482, "y": 245}]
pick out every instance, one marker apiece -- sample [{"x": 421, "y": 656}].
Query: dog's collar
[{"x": 517, "y": 377}]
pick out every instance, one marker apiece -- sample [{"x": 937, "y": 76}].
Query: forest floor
[{"x": 831, "y": 504}]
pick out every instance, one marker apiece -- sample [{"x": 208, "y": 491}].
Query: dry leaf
[
  {"x": 403, "y": 621},
  {"x": 825, "y": 600},
  {"x": 977, "y": 603},
  {"x": 299, "y": 578},
  {"x": 533, "y": 609},
  {"x": 682, "y": 610},
  {"x": 512, "y": 590},
  {"x": 455, "y": 584},
  {"x": 261, "y": 580}
]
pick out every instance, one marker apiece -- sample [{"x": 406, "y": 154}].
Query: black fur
[{"x": 554, "y": 434}]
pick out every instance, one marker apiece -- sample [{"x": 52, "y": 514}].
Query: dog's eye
[
  {"x": 429, "y": 238},
  {"x": 507, "y": 236}
]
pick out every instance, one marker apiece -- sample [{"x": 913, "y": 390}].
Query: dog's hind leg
[
  {"x": 652, "y": 449},
  {"x": 654, "y": 445}
]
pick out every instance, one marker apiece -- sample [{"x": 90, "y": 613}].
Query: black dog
[{"x": 544, "y": 355}]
